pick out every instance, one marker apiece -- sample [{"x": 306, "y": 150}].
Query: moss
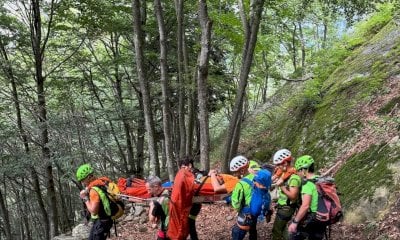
[
  {"x": 320, "y": 118},
  {"x": 364, "y": 172}
]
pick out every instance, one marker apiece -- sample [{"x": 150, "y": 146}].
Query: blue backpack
[{"x": 260, "y": 197}]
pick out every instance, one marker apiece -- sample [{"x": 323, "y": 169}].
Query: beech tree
[{"x": 251, "y": 22}]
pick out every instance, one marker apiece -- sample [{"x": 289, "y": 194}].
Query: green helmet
[
  {"x": 303, "y": 162},
  {"x": 254, "y": 165},
  {"x": 83, "y": 171}
]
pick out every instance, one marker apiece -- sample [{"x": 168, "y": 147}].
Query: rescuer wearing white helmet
[{"x": 288, "y": 183}]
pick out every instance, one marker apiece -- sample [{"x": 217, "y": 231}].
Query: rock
[
  {"x": 138, "y": 211},
  {"x": 143, "y": 220},
  {"x": 142, "y": 229},
  {"x": 229, "y": 218},
  {"x": 136, "y": 220},
  {"x": 65, "y": 237},
  {"x": 128, "y": 218},
  {"x": 81, "y": 231}
]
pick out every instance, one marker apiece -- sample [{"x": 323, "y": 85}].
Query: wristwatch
[{"x": 294, "y": 221}]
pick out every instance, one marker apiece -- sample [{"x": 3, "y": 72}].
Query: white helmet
[
  {"x": 237, "y": 163},
  {"x": 282, "y": 156}
]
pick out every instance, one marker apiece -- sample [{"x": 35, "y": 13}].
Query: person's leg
[
  {"x": 100, "y": 229},
  {"x": 192, "y": 229},
  {"x": 301, "y": 234},
  {"x": 253, "y": 229},
  {"x": 194, "y": 211},
  {"x": 316, "y": 231},
  {"x": 279, "y": 229},
  {"x": 237, "y": 233},
  {"x": 297, "y": 236}
]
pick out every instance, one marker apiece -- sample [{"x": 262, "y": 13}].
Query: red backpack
[{"x": 329, "y": 209}]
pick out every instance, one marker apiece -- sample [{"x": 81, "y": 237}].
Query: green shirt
[
  {"x": 242, "y": 190},
  {"x": 164, "y": 200},
  {"x": 294, "y": 181},
  {"x": 311, "y": 189}
]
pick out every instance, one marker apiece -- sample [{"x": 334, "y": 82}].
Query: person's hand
[
  {"x": 279, "y": 182},
  {"x": 84, "y": 194},
  {"x": 292, "y": 228},
  {"x": 212, "y": 172}
]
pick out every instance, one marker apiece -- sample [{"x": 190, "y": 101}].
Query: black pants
[
  {"x": 312, "y": 231},
  {"x": 194, "y": 211},
  {"x": 253, "y": 230},
  {"x": 101, "y": 229}
]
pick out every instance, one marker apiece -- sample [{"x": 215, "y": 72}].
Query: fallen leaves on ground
[{"x": 216, "y": 220}]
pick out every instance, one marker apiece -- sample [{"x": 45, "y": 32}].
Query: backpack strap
[
  {"x": 201, "y": 185},
  {"x": 248, "y": 181},
  {"x": 104, "y": 201}
]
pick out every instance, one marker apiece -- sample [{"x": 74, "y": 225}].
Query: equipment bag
[
  {"x": 109, "y": 195},
  {"x": 329, "y": 209},
  {"x": 260, "y": 197}
]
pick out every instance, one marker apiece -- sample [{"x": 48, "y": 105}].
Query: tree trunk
[
  {"x": 294, "y": 48},
  {"x": 140, "y": 138},
  {"x": 191, "y": 116},
  {"x": 202, "y": 90},
  {"x": 181, "y": 79},
  {"x": 190, "y": 89},
  {"x": 22, "y": 206},
  {"x": 165, "y": 90},
  {"x": 266, "y": 77},
  {"x": 121, "y": 110},
  {"x": 26, "y": 212},
  {"x": 6, "y": 220},
  {"x": 144, "y": 87},
  {"x": 251, "y": 32},
  {"x": 63, "y": 195},
  {"x": 38, "y": 47},
  {"x": 303, "y": 46},
  {"x": 325, "y": 33}
]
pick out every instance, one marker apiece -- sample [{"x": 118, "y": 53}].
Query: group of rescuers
[{"x": 296, "y": 200}]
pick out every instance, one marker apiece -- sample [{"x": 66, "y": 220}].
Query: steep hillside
[
  {"x": 349, "y": 122},
  {"x": 348, "y": 119}
]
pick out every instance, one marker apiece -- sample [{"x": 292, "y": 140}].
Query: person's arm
[
  {"x": 237, "y": 197},
  {"x": 217, "y": 186},
  {"x": 153, "y": 219},
  {"x": 292, "y": 190},
  {"x": 91, "y": 199},
  {"x": 306, "y": 201}
]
